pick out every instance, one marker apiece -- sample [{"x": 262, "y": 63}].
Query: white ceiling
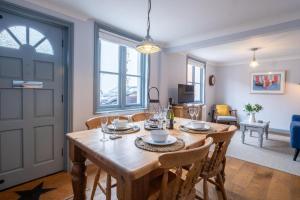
[
  {"x": 177, "y": 22},
  {"x": 183, "y": 22},
  {"x": 281, "y": 46}
]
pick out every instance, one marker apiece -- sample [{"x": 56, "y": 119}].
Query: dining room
[{"x": 150, "y": 99}]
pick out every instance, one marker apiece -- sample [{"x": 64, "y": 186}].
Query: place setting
[
  {"x": 197, "y": 127},
  {"x": 117, "y": 127},
  {"x": 159, "y": 141}
]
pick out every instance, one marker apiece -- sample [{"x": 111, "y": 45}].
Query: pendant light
[
  {"x": 253, "y": 62},
  {"x": 147, "y": 46}
]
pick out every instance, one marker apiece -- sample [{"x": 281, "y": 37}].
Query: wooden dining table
[{"x": 131, "y": 166}]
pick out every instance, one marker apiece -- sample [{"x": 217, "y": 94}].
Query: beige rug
[{"x": 276, "y": 152}]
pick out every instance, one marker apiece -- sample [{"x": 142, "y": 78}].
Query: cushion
[
  {"x": 226, "y": 118},
  {"x": 222, "y": 110}
]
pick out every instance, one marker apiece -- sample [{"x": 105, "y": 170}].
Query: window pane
[
  {"x": 133, "y": 89},
  {"x": 34, "y": 36},
  {"x": 109, "y": 56},
  {"x": 197, "y": 92},
  {"x": 19, "y": 32},
  {"x": 197, "y": 75},
  {"x": 45, "y": 47},
  {"x": 109, "y": 89},
  {"x": 6, "y": 40},
  {"x": 190, "y": 73},
  {"x": 133, "y": 62}
]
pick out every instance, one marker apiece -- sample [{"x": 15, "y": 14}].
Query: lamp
[
  {"x": 148, "y": 46},
  {"x": 253, "y": 62}
]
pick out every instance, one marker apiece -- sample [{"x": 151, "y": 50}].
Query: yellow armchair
[{"x": 222, "y": 113}]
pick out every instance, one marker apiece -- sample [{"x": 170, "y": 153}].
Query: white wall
[
  {"x": 174, "y": 70},
  {"x": 233, "y": 88},
  {"x": 84, "y": 64}
]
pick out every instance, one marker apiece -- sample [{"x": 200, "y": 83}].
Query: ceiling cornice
[
  {"x": 277, "y": 28},
  {"x": 264, "y": 60}
]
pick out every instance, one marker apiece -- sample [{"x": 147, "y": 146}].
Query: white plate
[
  {"x": 125, "y": 128},
  {"x": 197, "y": 126},
  {"x": 170, "y": 140}
]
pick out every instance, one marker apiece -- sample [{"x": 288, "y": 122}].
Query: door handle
[
  {"x": 27, "y": 84},
  {"x": 1, "y": 181}
]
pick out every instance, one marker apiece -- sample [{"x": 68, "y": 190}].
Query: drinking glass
[
  {"x": 192, "y": 112},
  {"x": 114, "y": 121},
  {"x": 196, "y": 112},
  {"x": 104, "y": 122}
]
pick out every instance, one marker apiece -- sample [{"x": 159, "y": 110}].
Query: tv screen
[{"x": 185, "y": 93}]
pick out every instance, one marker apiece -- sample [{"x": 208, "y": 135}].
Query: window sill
[{"x": 127, "y": 111}]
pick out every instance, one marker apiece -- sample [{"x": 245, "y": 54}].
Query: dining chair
[
  {"x": 215, "y": 164},
  {"x": 142, "y": 116},
  {"x": 173, "y": 184},
  {"x": 94, "y": 123}
]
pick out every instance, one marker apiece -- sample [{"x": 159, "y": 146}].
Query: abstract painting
[{"x": 268, "y": 82}]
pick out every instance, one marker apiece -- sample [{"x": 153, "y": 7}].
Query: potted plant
[{"x": 251, "y": 110}]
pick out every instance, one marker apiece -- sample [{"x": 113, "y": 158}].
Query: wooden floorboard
[{"x": 244, "y": 181}]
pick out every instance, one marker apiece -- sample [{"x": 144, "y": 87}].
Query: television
[{"x": 185, "y": 93}]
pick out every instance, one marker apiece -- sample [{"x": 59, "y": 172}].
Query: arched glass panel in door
[{"x": 16, "y": 36}]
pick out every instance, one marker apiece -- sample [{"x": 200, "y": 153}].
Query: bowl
[
  {"x": 159, "y": 136},
  {"x": 197, "y": 126},
  {"x": 121, "y": 123}
]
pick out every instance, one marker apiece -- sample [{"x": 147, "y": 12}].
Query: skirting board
[{"x": 279, "y": 131}]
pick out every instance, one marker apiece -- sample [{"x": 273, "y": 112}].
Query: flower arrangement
[{"x": 252, "y": 108}]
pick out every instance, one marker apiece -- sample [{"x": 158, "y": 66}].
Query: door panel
[
  {"x": 11, "y": 150},
  {"x": 11, "y": 106},
  {"x": 31, "y": 119}
]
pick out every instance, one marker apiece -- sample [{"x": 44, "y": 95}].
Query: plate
[
  {"x": 197, "y": 126},
  {"x": 125, "y": 128},
  {"x": 170, "y": 140}
]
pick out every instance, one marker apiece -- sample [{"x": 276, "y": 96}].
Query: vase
[{"x": 251, "y": 117}]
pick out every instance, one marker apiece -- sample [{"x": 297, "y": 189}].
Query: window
[
  {"x": 121, "y": 74},
  {"x": 196, "y": 77},
  {"x": 16, "y": 36}
]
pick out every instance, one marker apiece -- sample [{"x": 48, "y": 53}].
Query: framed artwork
[{"x": 268, "y": 82}]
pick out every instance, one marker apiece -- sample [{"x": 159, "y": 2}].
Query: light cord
[{"x": 148, "y": 23}]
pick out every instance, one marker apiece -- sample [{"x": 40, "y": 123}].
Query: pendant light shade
[
  {"x": 148, "y": 46},
  {"x": 254, "y": 62}
]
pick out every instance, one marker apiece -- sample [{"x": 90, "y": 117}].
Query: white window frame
[
  {"x": 123, "y": 41},
  {"x": 194, "y": 62}
]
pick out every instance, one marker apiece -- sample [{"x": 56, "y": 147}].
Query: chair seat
[{"x": 226, "y": 118}]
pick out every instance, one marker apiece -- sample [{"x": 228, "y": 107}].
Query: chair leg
[
  {"x": 96, "y": 180},
  {"x": 221, "y": 184},
  {"x": 296, "y": 154},
  {"x": 205, "y": 189},
  {"x": 108, "y": 187}
]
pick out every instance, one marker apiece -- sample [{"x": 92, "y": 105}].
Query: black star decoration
[{"x": 33, "y": 194}]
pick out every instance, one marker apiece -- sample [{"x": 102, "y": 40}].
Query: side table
[{"x": 260, "y": 127}]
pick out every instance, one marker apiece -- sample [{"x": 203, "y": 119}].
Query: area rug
[{"x": 276, "y": 152}]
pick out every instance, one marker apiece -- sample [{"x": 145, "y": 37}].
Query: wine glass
[
  {"x": 192, "y": 112},
  {"x": 196, "y": 112},
  {"x": 104, "y": 122},
  {"x": 114, "y": 121}
]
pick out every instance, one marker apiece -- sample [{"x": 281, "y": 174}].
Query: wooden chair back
[
  {"x": 221, "y": 143},
  {"x": 95, "y": 122},
  {"x": 195, "y": 159},
  {"x": 142, "y": 116}
]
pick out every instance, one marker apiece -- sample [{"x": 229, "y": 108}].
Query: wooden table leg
[
  {"x": 261, "y": 138},
  {"x": 243, "y": 136},
  {"x": 78, "y": 172},
  {"x": 267, "y": 132},
  {"x": 133, "y": 189}
]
